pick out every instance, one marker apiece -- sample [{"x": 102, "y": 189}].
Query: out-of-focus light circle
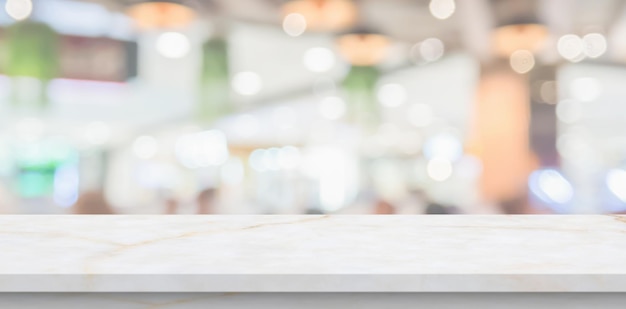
[
  {"x": 420, "y": 115},
  {"x": 548, "y": 92},
  {"x": 439, "y": 169},
  {"x": 271, "y": 159},
  {"x": 257, "y": 160},
  {"x": 173, "y": 45},
  {"x": 294, "y": 24},
  {"x": 444, "y": 146},
  {"x": 585, "y": 89},
  {"x": 616, "y": 181},
  {"x": 284, "y": 117},
  {"x": 66, "y": 185},
  {"x": 442, "y": 9},
  {"x": 247, "y": 83},
  {"x": 594, "y": 45},
  {"x": 415, "y": 54},
  {"x": 432, "y": 49},
  {"x": 569, "y": 111},
  {"x": 570, "y": 47},
  {"x": 522, "y": 61},
  {"x": 319, "y": 59},
  {"x": 213, "y": 148},
  {"x": 392, "y": 95},
  {"x": 203, "y": 149},
  {"x": 332, "y": 108},
  {"x": 186, "y": 149},
  {"x": 97, "y": 133},
  {"x": 289, "y": 157},
  {"x": 19, "y": 9},
  {"x": 145, "y": 147},
  {"x": 551, "y": 186}
]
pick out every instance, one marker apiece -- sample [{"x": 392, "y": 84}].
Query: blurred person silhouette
[
  {"x": 314, "y": 211},
  {"x": 206, "y": 201},
  {"x": 7, "y": 200},
  {"x": 432, "y": 207},
  {"x": 383, "y": 207},
  {"x": 171, "y": 206},
  {"x": 514, "y": 206},
  {"x": 92, "y": 203}
]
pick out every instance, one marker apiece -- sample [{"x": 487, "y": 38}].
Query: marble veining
[{"x": 311, "y": 253}]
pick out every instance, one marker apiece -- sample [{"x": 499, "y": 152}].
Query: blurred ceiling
[{"x": 410, "y": 20}]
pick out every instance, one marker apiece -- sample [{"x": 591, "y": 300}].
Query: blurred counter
[{"x": 312, "y": 253}]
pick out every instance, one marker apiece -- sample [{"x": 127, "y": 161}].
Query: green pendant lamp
[
  {"x": 31, "y": 51},
  {"x": 214, "y": 97},
  {"x": 363, "y": 49}
]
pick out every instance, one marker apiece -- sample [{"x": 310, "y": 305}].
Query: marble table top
[{"x": 48, "y": 253}]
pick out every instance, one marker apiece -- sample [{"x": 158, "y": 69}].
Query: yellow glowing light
[
  {"x": 159, "y": 15},
  {"x": 323, "y": 15},
  {"x": 511, "y": 38},
  {"x": 363, "y": 49}
]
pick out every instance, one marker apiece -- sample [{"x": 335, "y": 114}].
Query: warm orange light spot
[
  {"x": 508, "y": 39},
  {"x": 363, "y": 49},
  {"x": 324, "y": 15},
  {"x": 160, "y": 15}
]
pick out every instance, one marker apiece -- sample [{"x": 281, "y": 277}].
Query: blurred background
[{"x": 312, "y": 106}]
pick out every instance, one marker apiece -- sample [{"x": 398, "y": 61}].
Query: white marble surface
[{"x": 312, "y": 253}]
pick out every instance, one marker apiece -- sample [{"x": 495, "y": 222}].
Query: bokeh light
[
  {"x": 431, "y": 49},
  {"x": 439, "y": 169},
  {"x": 173, "y": 45},
  {"x": 202, "y": 149},
  {"x": 595, "y": 45},
  {"x": 443, "y": 146},
  {"x": 570, "y": 47},
  {"x": 442, "y": 9},
  {"x": 551, "y": 187},
  {"x": 247, "y": 83},
  {"x": 616, "y": 181},
  {"x": 289, "y": 157},
  {"x": 392, "y": 95},
  {"x": 522, "y": 61},
  {"x": 19, "y": 9},
  {"x": 294, "y": 24},
  {"x": 319, "y": 59}
]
